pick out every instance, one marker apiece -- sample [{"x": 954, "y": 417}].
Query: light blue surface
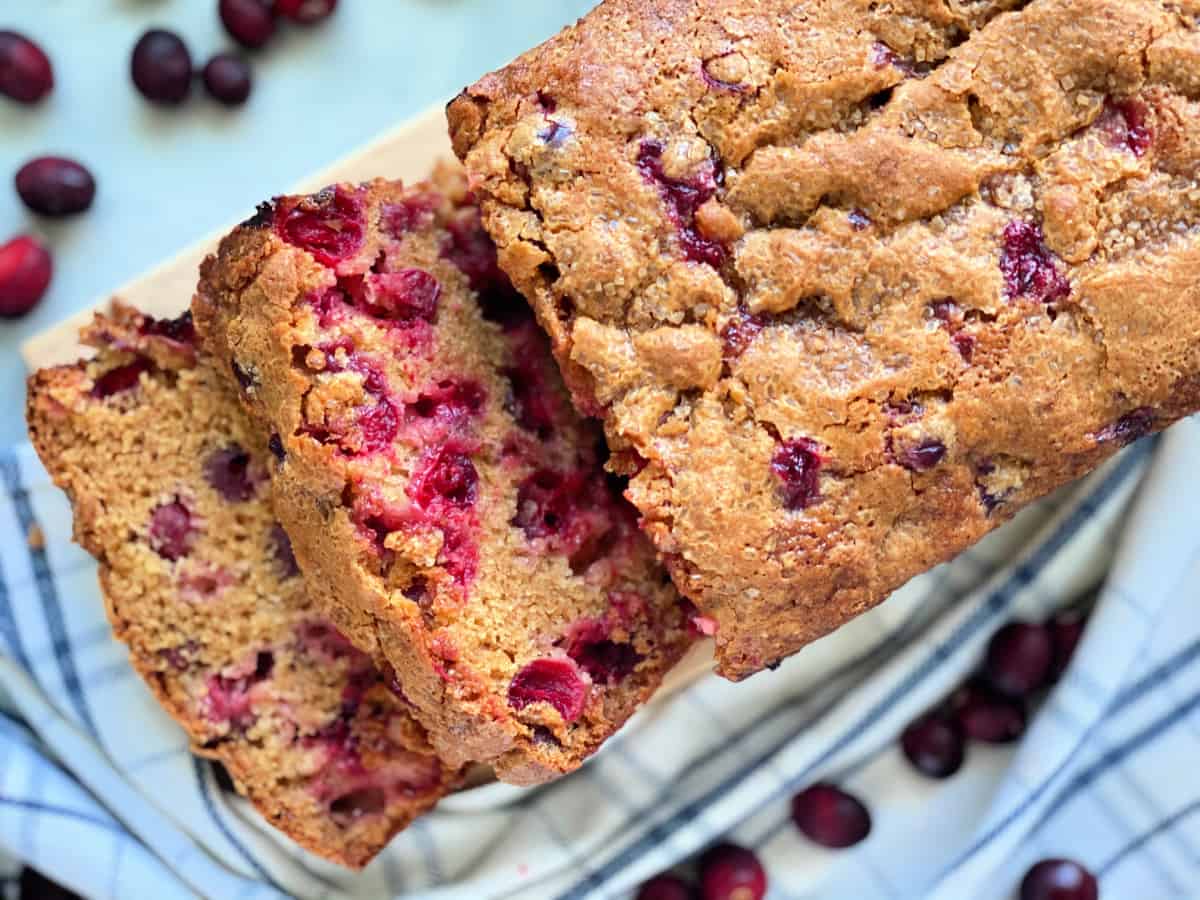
[{"x": 167, "y": 178}]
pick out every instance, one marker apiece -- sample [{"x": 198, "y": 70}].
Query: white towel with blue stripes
[{"x": 98, "y": 790}]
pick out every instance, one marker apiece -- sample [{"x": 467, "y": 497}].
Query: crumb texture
[
  {"x": 170, "y": 493},
  {"x": 850, "y": 283},
  {"x": 446, "y": 502}
]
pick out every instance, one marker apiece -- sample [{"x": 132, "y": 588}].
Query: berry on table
[
  {"x": 730, "y": 872},
  {"x": 55, "y": 186},
  {"x": 249, "y": 22},
  {"x": 1059, "y": 879},
  {"x": 25, "y": 272},
  {"x": 228, "y": 79},
  {"x": 306, "y": 12},
  {"x": 1018, "y": 660},
  {"x": 25, "y": 71},
  {"x": 667, "y": 887},
  {"x": 934, "y": 744},
  {"x": 986, "y": 715},
  {"x": 161, "y": 67},
  {"x": 827, "y": 815}
]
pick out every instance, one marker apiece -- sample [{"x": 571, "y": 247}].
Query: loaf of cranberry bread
[
  {"x": 170, "y": 494},
  {"x": 849, "y": 282},
  {"x": 448, "y": 506}
]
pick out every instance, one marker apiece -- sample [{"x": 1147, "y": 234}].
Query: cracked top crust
[
  {"x": 169, "y": 493},
  {"x": 850, "y": 283},
  {"x": 447, "y": 505}
]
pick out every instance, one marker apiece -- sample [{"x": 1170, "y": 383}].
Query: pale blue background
[{"x": 167, "y": 178}]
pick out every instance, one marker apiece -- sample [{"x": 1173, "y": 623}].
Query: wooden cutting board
[{"x": 407, "y": 152}]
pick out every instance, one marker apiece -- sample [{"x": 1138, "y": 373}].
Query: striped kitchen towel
[{"x": 97, "y": 787}]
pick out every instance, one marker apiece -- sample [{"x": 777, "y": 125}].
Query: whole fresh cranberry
[
  {"x": 730, "y": 872},
  {"x": 1059, "y": 879},
  {"x": 1018, "y": 659},
  {"x": 986, "y": 715},
  {"x": 1066, "y": 630},
  {"x": 553, "y": 681},
  {"x": 306, "y": 12},
  {"x": 55, "y": 186},
  {"x": 829, "y": 816},
  {"x": 666, "y": 887},
  {"x": 249, "y": 22},
  {"x": 161, "y": 67},
  {"x": 934, "y": 744},
  {"x": 228, "y": 79},
  {"x": 25, "y": 272},
  {"x": 25, "y": 71}
]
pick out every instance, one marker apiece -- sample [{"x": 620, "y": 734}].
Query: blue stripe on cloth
[
  {"x": 52, "y": 809},
  {"x": 996, "y": 603},
  {"x": 202, "y": 784},
  {"x": 1146, "y": 836},
  {"x": 47, "y": 592}
]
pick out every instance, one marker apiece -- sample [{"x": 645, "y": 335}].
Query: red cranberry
[
  {"x": 1124, "y": 125},
  {"x": 329, "y": 225},
  {"x": 605, "y": 660},
  {"x": 121, "y": 379},
  {"x": 666, "y": 887},
  {"x": 452, "y": 403},
  {"x": 171, "y": 530},
  {"x": 25, "y": 272},
  {"x": 828, "y": 816},
  {"x": 987, "y": 716},
  {"x": 469, "y": 247},
  {"x": 180, "y": 330},
  {"x": 934, "y": 745},
  {"x": 275, "y": 444},
  {"x": 683, "y": 198},
  {"x": 1029, "y": 267},
  {"x": 446, "y": 474},
  {"x": 740, "y": 333},
  {"x": 54, "y": 186},
  {"x": 1018, "y": 659},
  {"x": 306, "y": 12},
  {"x": 1059, "y": 879},
  {"x": 730, "y": 872},
  {"x": 1129, "y": 428},
  {"x": 228, "y": 79},
  {"x": 249, "y": 22},
  {"x": 924, "y": 456},
  {"x": 228, "y": 471},
  {"x": 162, "y": 67},
  {"x": 553, "y": 681},
  {"x": 797, "y": 463},
  {"x": 403, "y": 296},
  {"x": 25, "y": 71},
  {"x": 1066, "y": 630}
]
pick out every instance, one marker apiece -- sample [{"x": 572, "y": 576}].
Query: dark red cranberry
[
  {"x": 965, "y": 345},
  {"x": 228, "y": 471},
  {"x": 986, "y": 715},
  {"x": 306, "y": 12},
  {"x": 1029, "y": 267},
  {"x": 26, "y": 268},
  {"x": 1059, "y": 879},
  {"x": 446, "y": 474},
  {"x": 605, "y": 660},
  {"x": 533, "y": 403},
  {"x": 329, "y": 225},
  {"x": 934, "y": 744},
  {"x": 683, "y": 198},
  {"x": 276, "y": 446},
  {"x": 924, "y": 456},
  {"x": 25, "y": 71},
  {"x": 228, "y": 79},
  {"x": 730, "y": 872},
  {"x": 451, "y": 403},
  {"x": 798, "y": 464},
  {"x": 171, "y": 530},
  {"x": 35, "y": 886},
  {"x": 1124, "y": 124},
  {"x": 228, "y": 699},
  {"x": 54, "y": 186},
  {"x": 468, "y": 247},
  {"x": 162, "y": 67},
  {"x": 1018, "y": 659},
  {"x": 399, "y": 219},
  {"x": 404, "y": 296},
  {"x": 121, "y": 379},
  {"x": 553, "y": 681},
  {"x": 1066, "y": 630},
  {"x": 249, "y": 22},
  {"x": 179, "y": 330},
  {"x": 828, "y": 816},
  {"x": 1129, "y": 428},
  {"x": 740, "y": 333},
  {"x": 667, "y": 887}
]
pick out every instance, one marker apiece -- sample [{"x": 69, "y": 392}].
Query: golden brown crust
[
  {"x": 447, "y": 505},
  {"x": 208, "y": 601},
  {"x": 956, "y": 247}
]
